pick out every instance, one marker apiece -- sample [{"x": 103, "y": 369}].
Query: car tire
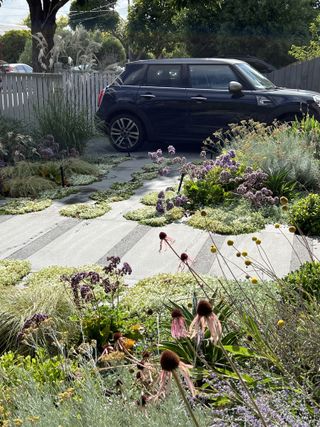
[{"x": 126, "y": 133}]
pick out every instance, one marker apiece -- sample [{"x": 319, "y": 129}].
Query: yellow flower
[
  {"x": 280, "y": 323},
  {"x": 244, "y": 253},
  {"x": 18, "y": 421},
  {"x": 248, "y": 262},
  {"x": 283, "y": 201},
  {"x": 128, "y": 343},
  {"x": 254, "y": 280},
  {"x": 136, "y": 328},
  {"x": 292, "y": 229},
  {"x": 230, "y": 242},
  {"x": 213, "y": 249},
  {"x": 276, "y": 225},
  {"x": 258, "y": 242},
  {"x": 1, "y": 410}
]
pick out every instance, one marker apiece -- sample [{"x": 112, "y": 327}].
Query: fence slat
[{"x": 21, "y": 93}]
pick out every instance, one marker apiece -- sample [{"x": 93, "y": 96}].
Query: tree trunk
[
  {"x": 42, "y": 64},
  {"x": 46, "y": 25}
]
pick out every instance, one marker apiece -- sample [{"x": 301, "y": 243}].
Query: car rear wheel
[{"x": 126, "y": 133}]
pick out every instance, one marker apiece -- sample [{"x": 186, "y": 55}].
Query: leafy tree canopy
[
  {"x": 12, "y": 44},
  {"x": 262, "y": 28},
  {"x": 94, "y": 15},
  {"x": 311, "y": 50},
  {"x": 152, "y": 27}
]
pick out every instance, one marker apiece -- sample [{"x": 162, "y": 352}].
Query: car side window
[
  {"x": 164, "y": 76},
  {"x": 132, "y": 75},
  {"x": 211, "y": 76}
]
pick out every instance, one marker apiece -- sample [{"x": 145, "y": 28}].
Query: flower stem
[
  {"x": 186, "y": 402},
  {"x": 244, "y": 385}
]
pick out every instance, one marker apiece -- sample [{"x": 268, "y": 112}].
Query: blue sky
[{"x": 13, "y": 11}]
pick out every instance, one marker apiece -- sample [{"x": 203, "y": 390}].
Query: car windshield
[{"x": 258, "y": 80}]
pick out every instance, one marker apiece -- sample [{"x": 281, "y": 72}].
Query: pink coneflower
[
  {"x": 178, "y": 325},
  {"x": 164, "y": 240},
  {"x": 170, "y": 362},
  {"x": 205, "y": 318},
  {"x": 185, "y": 260}
]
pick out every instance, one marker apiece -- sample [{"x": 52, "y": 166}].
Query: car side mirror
[{"x": 235, "y": 87}]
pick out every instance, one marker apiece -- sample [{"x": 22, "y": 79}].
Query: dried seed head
[
  {"x": 169, "y": 361},
  {"x": 146, "y": 355},
  {"x": 292, "y": 229},
  {"x": 176, "y": 313},
  {"x": 276, "y": 225},
  {"x": 203, "y": 213},
  {"x": 149, "y": 312},
  {"x": 162, "y": 235},
  {"x": 213, "y": 249},
  {"x": 230, "y": 242},
  {"x": 140, "y": 365},
  {"x": 184, "y": 257},
  {"x": 204, "y": 308},
  {"x": 117, "y": 336}
]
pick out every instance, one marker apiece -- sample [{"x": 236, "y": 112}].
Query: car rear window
[
  {"x": 132, "y": 75},
  {"x": 211, "y": 76},
  {"x": 164, "y": 76}
]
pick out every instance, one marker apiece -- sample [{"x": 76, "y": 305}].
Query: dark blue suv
[{"x": 188, "y": 99}]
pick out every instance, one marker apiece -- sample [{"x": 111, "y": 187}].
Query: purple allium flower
[
  {"x": 85, "y": 292},
  {"x": 170, "y": 205},
  {"x": 46, "y": 153},
  {"x": 160, "y": 207},
  {"x": 164, "y": 171},
  {"x": 126, "y": 268},
  {"x": 171, "y": 150},
  {"x": 161, "y": 195}
]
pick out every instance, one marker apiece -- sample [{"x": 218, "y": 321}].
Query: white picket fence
[{"x": 21, "y": 94}]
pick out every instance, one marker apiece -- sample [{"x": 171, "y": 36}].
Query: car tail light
[{"x": 100, "y": 96}]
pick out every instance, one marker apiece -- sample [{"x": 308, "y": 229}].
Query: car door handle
[
  {"x": 199, "y": 98},
  {"x": 147, "y": 96}
]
